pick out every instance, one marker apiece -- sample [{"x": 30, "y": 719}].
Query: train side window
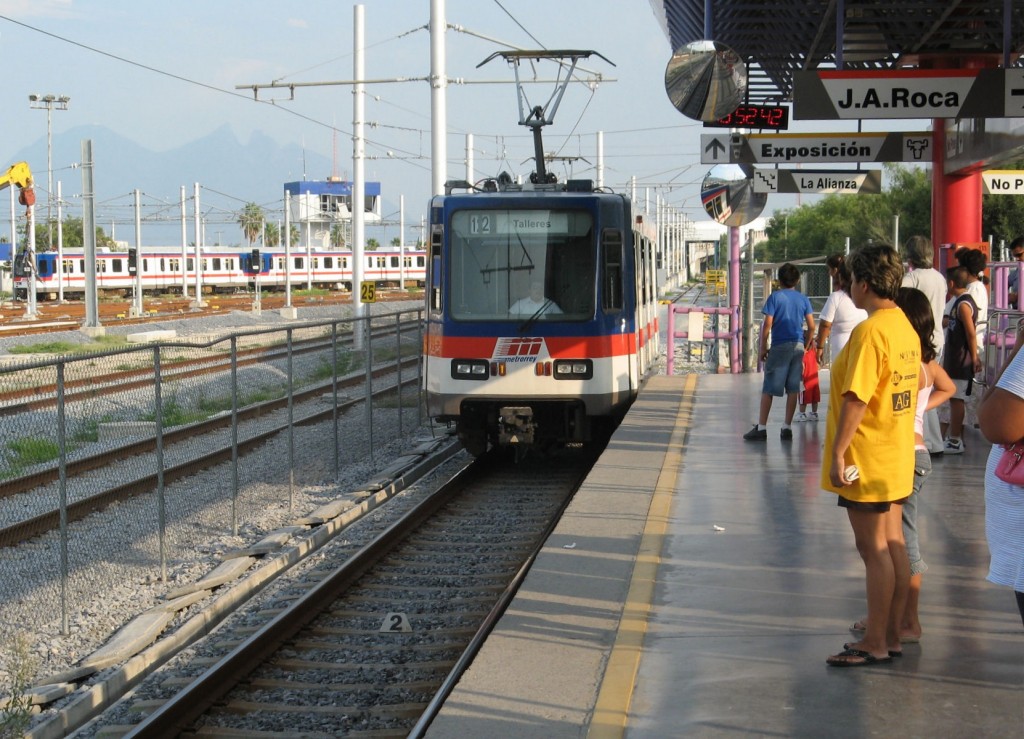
[
  {"x": 67, "y": 266},
  {"x": 611, "y": 269},
  {"x": 216, "y": 264},
  {"x": 436, "y": 241},
  {"x": 190, "y": 264},
  {"x": 328, "y": 262},
  {"x": 101, "y": 265},
  {"x": 299, "y": 262},
  {"x": 116, "y": 265},
  {"x": 394, "y": 262}
]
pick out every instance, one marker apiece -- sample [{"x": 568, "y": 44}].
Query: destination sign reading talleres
[
  {"x": 908, "y": 93},
  {"x": 843, "y": 182},
  {"x": 792, "y": 148}
]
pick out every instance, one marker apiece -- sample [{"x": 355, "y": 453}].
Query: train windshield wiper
[{"x": 533, "y": 319}]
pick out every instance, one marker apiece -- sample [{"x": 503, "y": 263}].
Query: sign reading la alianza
[
  {"x": 840, "y": 182},
  {"x": 908, "y": 93}
]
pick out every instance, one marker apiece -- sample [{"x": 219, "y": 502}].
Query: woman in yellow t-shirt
[{"x": 871, "y": 427}]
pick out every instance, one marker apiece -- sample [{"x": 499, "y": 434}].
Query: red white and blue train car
[
  {"x": 223, "y": 269},
  {"x": 541, "y": 313}
]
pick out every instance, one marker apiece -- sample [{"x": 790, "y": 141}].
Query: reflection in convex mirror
[
  {"x": 706, "y": 80},
  {"x": 728, "y": 194}
]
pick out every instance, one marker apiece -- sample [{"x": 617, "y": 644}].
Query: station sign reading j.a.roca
[{"x": 908, "y": 93}]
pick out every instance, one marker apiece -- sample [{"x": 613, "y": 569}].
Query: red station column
[{"x": 956, "y": 199}]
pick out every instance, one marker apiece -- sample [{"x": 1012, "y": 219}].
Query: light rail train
[
  {"x": 541, "y": 312},
  {"x": 162, "y": 269}
]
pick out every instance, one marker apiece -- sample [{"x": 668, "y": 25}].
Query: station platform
[{"x": 698, "y": 581}]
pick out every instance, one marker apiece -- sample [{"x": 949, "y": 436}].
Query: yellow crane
[{"x": 20, "y": 175}]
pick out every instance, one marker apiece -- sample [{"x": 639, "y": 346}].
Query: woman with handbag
[{"x": 1001, "y": 420}]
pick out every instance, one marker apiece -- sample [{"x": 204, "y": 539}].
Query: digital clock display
[{"x": 775, "y": 117}]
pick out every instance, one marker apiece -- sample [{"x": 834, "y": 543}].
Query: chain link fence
[{"x": 280, "y": 411}]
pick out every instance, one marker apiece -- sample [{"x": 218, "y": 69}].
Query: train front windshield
[{"x": 522, "y": 264}]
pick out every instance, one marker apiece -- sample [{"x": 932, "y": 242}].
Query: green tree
[
  {"x": 72, "y": 234},
  {"x": 251, "y": 220},
  {"x": 1002, "y": 216},
  {"x": 372, "y": 244},
  {"x": 338, "y": 236},
  {"x": 397, "y": 241},
  {"x": 272, "y": 235}
]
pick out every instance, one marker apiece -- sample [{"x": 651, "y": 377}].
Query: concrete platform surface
[{"x": 698, "y": 582}]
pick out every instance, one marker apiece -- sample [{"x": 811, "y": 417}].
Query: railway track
[
  {"x": 19, "y": 532},
  {"x": 41, "y": 395},
  {"x": 55, "y": 317},
  {"x": 368, "y": 635}
]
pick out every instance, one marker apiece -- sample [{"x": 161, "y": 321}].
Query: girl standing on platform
[
  {"x": 933, "y": 389},
  {"x": 870, "y": 432}
]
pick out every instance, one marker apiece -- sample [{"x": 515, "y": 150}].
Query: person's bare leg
[
  {"x": 901, "y": 574},
  {"x": 766, "y": 408},
  {"x": 957, "y": 410},
  {"x": 910, "y": 624},
  {"x": 790, "y": 407},
  {"x": 869, "y": 530}
]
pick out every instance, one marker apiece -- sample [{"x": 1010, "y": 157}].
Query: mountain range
[{"x": 229, "y": 172}]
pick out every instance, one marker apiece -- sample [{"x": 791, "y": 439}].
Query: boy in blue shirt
[{"x": 786, "y": 311}]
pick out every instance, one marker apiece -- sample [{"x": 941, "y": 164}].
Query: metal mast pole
[
  {"x": 438, "y": 98},
  {"x": 358, "y": 177}
]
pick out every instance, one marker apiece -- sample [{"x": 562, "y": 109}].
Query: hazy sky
[{"x": 163, "y": 74}]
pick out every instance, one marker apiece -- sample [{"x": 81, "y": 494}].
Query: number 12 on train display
[{"x": 541, "y": 313}]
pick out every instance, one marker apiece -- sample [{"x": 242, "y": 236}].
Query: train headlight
[
  {"x": 470, "y": 369},
  {"x": 573, "y": 369}
]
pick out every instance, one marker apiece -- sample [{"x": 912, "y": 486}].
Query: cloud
[
  {"x": 37, "y": 8},
  {"x": 297, "y": 23}
]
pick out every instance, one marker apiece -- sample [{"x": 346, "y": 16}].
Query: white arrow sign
[{"x": 1003, "y": 182}]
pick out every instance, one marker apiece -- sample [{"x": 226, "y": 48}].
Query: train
[
  {"x": 223, "y": 269},
  {"x": 541, "y": 319}
]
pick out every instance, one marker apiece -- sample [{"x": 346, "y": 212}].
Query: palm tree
[
  {"x": 338, "y": 235},
  {"x": 272, "y": 235},
  {"x": 251, "y": 221}
]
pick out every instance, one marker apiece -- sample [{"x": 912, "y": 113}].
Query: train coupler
[{"x": 516, "y": 426}]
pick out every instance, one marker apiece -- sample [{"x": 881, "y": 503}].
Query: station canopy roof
[{"x": 779, "y": 37}]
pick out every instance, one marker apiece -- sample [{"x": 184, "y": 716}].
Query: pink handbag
[{"x": 1010, "y": 469}]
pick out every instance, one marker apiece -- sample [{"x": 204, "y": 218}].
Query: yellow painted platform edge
[{"x": 611, "y": 711}]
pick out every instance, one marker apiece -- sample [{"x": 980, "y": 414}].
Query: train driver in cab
[{"x": 535, "y": 303}]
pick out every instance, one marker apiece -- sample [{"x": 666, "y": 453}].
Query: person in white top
[
  {"x": 839, "y": 315},
  {"x": 1001, "y": 418},
  {"x": 534, "y": 303},
  {"x": 922, "y": 274}
]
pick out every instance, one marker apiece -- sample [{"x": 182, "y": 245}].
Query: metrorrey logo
[{"x": 518, "y": 350}]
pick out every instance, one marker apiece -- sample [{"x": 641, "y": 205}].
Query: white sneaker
[
  {"x": 800, "y": 417},
  {"x": 954, "y": 446},
  {"x": 812, "y": 416}
]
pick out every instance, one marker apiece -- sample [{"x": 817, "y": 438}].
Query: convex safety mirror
[{"x": 706, "y": 80}]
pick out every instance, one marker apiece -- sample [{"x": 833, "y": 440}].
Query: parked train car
[
  {"x": 508, "y": 367},
  {"x": 162, "y": 269}
]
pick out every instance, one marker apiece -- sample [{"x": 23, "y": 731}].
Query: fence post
[
  {"x": 234, "y": 435},
  {"x": 670, "y": 359},
  {"x": 334, "y": 395},
  {"x": 398, "y": 367},
  {"x": 291, "y": 426},
  {"x": 369, "y": 384},
  {"x": 65, "y": 627},
  {"x": 158, "y": 410}
]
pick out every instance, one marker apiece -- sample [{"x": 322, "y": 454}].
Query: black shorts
[{"x": 882, "y": 507}]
